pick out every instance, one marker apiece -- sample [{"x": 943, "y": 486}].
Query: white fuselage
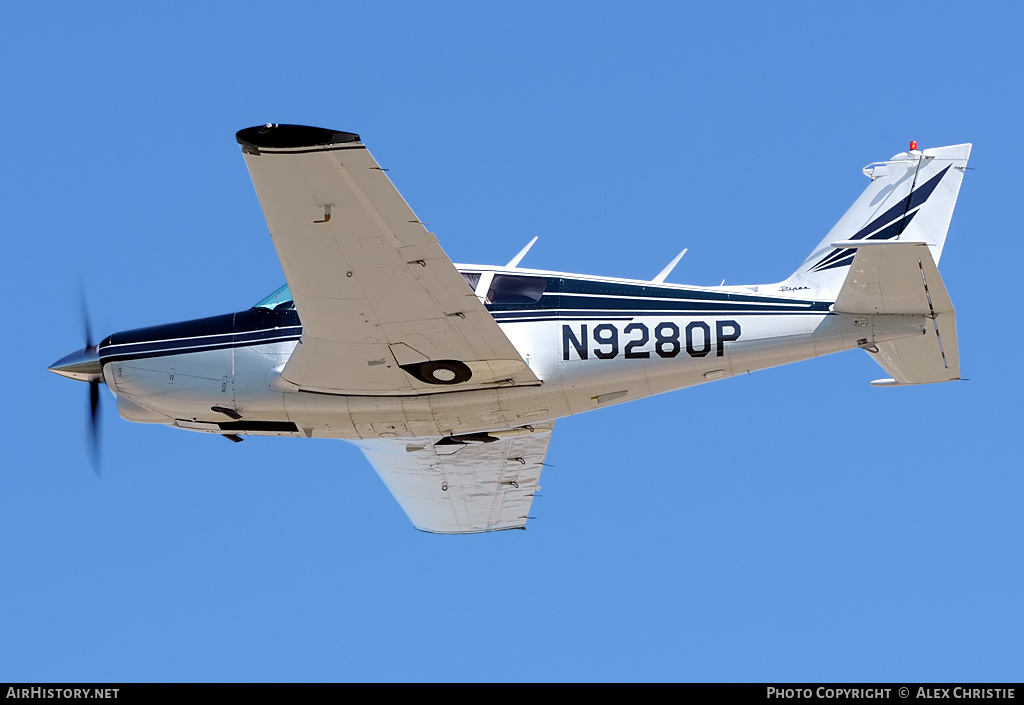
[{"x": 585, "y": 358}]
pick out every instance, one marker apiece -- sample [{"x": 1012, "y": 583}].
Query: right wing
[
  {"x": 453, "y": 486},
  {"x": 383, "y": 309}
]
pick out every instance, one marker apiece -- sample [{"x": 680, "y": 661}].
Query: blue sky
[{"x": 796, "y": 524}]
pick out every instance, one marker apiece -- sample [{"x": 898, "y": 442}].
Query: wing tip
[
  {"x": 491, "y": 528},
  {"x": 274, "y": 136}
]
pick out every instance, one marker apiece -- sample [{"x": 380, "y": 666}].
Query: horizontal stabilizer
[
  {"x": 900, "y": 278},
  {"x": 892, "y": 277},
  {"x": 924, "y": 359}
]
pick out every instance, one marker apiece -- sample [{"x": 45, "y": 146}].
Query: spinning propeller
[{"x": 84, "y": 365}]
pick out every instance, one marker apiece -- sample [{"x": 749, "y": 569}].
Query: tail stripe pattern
[{"x": 887, "y": 226}]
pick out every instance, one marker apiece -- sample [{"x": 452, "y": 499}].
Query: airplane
[{"x": 449, "y": 377}]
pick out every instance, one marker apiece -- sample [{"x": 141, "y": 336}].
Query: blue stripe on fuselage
[
  {"x": 564, "y": 299},
  {"x": 231, "y": 330}
]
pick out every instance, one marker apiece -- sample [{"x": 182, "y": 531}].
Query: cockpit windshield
[{"x": 280, "y": 300}]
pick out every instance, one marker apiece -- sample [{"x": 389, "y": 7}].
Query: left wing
[
  {"x": 463, "y": 486},
  {"x": 383, "y": 309}
]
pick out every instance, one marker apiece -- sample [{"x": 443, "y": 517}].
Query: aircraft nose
[{"x": 83, "y": 365}]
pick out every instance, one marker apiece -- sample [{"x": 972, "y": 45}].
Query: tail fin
[{"x": 911, "y": 197}]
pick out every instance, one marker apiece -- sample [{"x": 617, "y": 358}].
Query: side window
[
  {"x": 280, "y": 300},
  {"x": 472, "y": 278},
  {"x": 514, "y": 289}
]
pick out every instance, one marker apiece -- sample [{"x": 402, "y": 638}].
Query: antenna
[
  {"x": 522, "y": 253},
  {"x": 668, "y": 270}
]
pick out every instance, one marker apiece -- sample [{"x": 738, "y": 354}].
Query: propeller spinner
[{"x": 84, "y": 365}]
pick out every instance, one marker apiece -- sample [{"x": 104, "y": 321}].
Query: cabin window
[
  {"x": 515, "y": 289},
  {"x": 472, "y": 278},
  {"x": 280, "y": 300}
]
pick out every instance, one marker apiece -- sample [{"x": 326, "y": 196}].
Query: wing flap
[
  {"x": 365, "y": 274},
  {"x": 462, "y": 487}
]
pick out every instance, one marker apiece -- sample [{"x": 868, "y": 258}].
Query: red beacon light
[{"x": 913, "y": 145}]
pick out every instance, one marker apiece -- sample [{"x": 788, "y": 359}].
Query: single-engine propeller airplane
[{"x": 450, "y": 377}]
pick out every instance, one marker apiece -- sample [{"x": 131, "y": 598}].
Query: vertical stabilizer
[{"x": 910, "y": 198}]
